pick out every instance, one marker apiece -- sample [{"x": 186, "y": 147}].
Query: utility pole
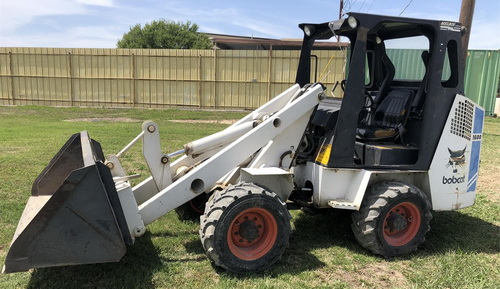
[
  {"x": 466, "y": 13},
  {"x": 341, "y": 8},
  {"x": 340, "y": 15}
]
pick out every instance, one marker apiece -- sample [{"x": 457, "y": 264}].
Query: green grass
[{"x": 461, "y": 251}]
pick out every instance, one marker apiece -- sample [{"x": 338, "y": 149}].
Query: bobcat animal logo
[{"x": 457, "y": 159}]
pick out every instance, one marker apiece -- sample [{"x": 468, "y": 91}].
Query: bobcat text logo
[{"x": 453, "y": 180}]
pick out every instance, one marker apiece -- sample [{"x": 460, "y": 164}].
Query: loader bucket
[{"x": 73, "y": 216}]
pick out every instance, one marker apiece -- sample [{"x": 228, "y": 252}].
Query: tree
[{"x": 165, "y": 34}]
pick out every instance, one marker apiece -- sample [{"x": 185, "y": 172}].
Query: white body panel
[
  {"x": 346, "y": 188},
  {"x": 338, "y": 188},
  {"x": 454, "y": 169},
  {"x": 274, "y": 179}
]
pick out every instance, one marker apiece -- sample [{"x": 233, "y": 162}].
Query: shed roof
[{"x": 233, "y": 42}]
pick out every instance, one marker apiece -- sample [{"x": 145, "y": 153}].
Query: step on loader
[{"x": 392, "y": 150}]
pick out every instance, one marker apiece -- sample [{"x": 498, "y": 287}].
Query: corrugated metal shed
[
  {"x": 481, "y": 73},
  {"x": 408, "y": 63},
  {"x": 481, "y": 78}
]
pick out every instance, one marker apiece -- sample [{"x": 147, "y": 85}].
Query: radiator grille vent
[{"x": 461, "y": 124}]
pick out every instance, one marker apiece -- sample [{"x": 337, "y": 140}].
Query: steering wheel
[
  {"x": 342, "y": 84},
  {"x": 369, "y": 102}
]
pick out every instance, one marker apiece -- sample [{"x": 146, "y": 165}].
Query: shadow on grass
[
  {"x": 456, "y": 231},
  {"x": 135, "y": 270},
  {"x": 325, "y": 229},
  {"x": 450, "y": 232}
]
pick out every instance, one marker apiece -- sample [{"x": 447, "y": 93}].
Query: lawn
[{"x": 462, "y": 249}]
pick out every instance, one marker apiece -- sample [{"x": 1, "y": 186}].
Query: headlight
[
  {"x": 353, "y": 23},
  {"x": 309, "y": 30}
]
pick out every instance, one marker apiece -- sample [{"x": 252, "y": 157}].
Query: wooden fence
[{"x": 153, "y": 77}]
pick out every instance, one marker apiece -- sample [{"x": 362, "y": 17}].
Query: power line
[
  {"x": 362, "y": 5},
  {"x": 370, "y": 6},
  {"x": 405, "y": 7},
  {"x": 350, "y": 4}
]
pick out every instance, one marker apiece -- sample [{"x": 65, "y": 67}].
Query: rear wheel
[
  {"x": 192, "y": 210},
  {"x": 393, "y": 219},
  {"x": 245, "y": 228}
]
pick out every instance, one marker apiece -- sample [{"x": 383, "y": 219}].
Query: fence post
[
  {"x": 269, "y": 66},
  {"x": 11, "y": 67},
  {"x": 215, "y": 78},
  {"x": 134, "y": 76},
  {"x": 70, "y": 74},
  {"x": 200, "y": 97}
]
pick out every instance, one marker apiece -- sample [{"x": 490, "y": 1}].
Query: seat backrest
[
  {"x": 418, "y": 101},
  {"x": 389, "y": 72},
  {"x": 393, "y": 109}
]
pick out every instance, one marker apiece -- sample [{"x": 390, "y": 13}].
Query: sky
[{"x": 101, "y": 23}]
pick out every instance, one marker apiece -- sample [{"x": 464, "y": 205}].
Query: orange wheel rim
[
  {"x": 401, "y": 224},
  {"x": 252, "y": 234}
]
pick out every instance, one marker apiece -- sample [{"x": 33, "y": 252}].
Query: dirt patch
[
  {"x": 13, "y": 110},
  {"x": 108, "y": 119},
  {"x": 488, "y": 184},
  {"x": 8, "y": 150},
  {"x": 378, "y": 275},
  {"x": 222, "y": 121}
]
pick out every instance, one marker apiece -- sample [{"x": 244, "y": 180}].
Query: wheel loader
[{"x": 392, "y": 150}]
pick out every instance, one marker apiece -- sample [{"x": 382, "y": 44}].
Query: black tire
[
  {"x": 245, "y": 228},
  {"x": 393, "y": 219},
  {"x": 192, "y": 210}
]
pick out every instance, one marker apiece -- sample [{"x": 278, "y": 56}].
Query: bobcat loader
[{"x": 391, "y": 151}]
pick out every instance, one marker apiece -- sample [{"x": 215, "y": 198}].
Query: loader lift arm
[{"x": 291, "y": 119}]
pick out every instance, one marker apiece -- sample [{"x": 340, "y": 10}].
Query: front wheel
[
  {"x": 245, "y": 228},
  {"x": 393, "y": 219}
]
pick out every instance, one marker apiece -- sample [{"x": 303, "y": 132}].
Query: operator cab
[{"x": 394, "y": 106}]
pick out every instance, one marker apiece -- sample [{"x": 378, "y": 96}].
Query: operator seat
[
  {"x": 388, "y": 117},
  {"x": 391, "y": 108}
]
